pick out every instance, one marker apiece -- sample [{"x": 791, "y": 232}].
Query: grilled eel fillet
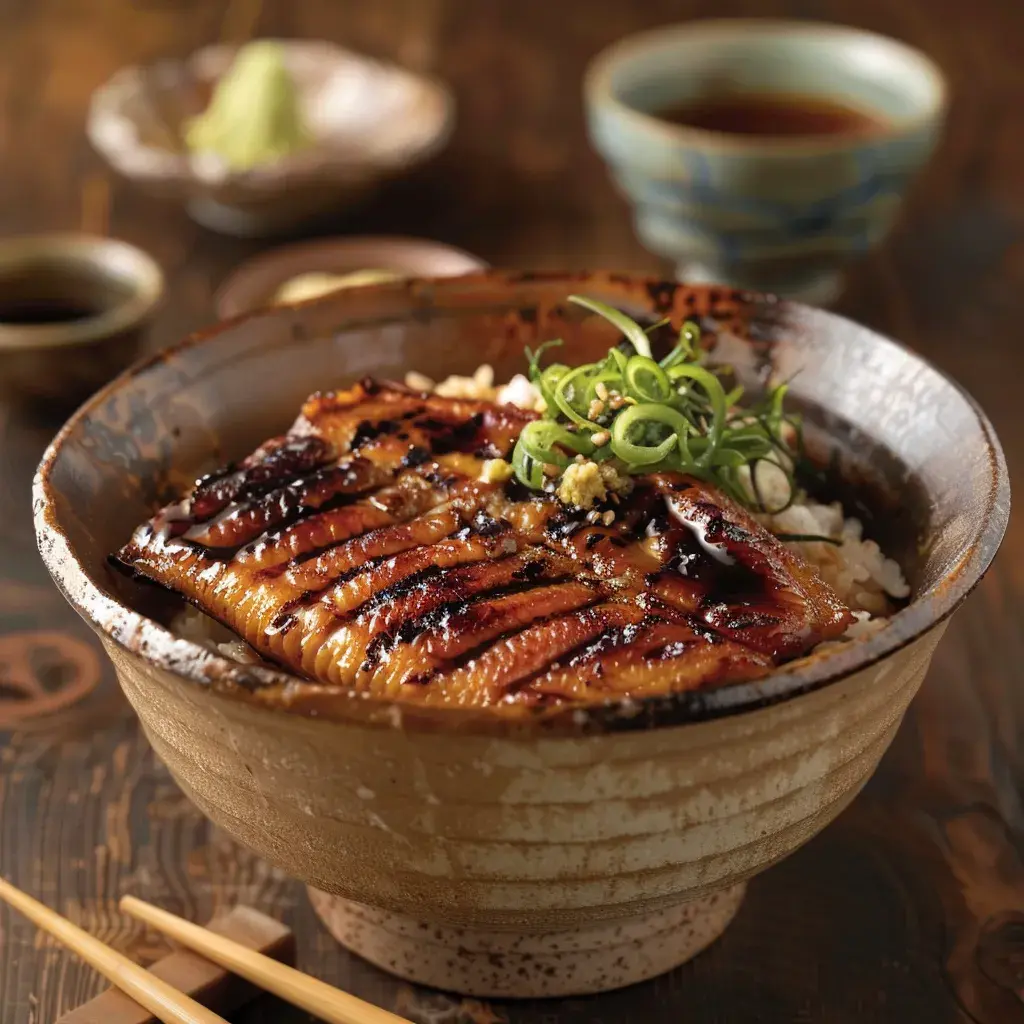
[{"x": 362, "y": 550}]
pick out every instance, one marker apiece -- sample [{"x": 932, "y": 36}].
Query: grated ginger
[{"x": 587, "y": 483}]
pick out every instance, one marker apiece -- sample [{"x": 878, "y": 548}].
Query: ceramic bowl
[
  {"x": 371, "y": 121},
  {"x": 777, "y": 214},
  {"x": 257, "y": 281},
  {"x": 577, "y": 850},
  {"x": 73, "y": 314}
]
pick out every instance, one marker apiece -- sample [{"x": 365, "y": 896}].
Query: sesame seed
[
  {"x": 601, "y": 438},
  {"x": 608, "y": 518},
  {"x": 596, "y": 408},
  {"x": 602, "y": 390}
]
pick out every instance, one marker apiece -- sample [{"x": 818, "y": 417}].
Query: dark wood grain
[{"x": 911, "y": 907}]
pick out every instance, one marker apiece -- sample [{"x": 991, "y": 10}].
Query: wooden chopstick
[
  {"x": 163, "y": 1001},
  {"x": 310, "y": 994}
]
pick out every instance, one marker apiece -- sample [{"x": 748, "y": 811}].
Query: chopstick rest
[
  {"x": 164, "y": 1002},
  {"x": 310, "y": 994},
  {"x": 204, "y": 981}
]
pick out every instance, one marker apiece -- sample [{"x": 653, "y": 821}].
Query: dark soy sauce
[{"x": 36, "y": 312}]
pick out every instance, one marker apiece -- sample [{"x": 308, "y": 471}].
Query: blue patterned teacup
[{"x": 772, "y": 213}]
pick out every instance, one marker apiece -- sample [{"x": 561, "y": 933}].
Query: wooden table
[{"x": 910, "y": 908}]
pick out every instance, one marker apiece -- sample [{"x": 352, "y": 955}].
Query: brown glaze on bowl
[
  {"x": 256, "y": 282},
  {"x": 53, "y": 358},
  {"x": 577, "y": 850}
]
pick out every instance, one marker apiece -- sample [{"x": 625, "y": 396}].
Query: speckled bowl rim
[
  {"x": 147, "y": 289},
  {"x": 186, "y": 659},
  {"x": 599, "y": 92}
]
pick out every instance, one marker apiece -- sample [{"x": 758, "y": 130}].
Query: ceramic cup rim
[
  {"x": 163, "y": 650},
  {"x": 61, "y": 248},
  {"x": 600, "y": 92}
]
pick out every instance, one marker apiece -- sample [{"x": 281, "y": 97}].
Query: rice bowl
[{"x": 610, "y": 843}]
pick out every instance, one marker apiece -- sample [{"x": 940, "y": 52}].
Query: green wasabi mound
[{"x": 254, "y": 116}]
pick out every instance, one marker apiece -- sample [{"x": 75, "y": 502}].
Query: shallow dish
[
  {"x": 256, "y": 282},
  {"x": 371, "y": 121},
  {"x": 571, "y": 852}
]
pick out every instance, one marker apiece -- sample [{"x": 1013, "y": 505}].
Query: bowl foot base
[
  {"x": 820, "y": 288},
  {"x": 267, "y": 221},
  {"x": 516, "y": 965}
]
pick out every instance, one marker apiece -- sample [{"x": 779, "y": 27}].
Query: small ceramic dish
[
  {"x": 258, "y": 282},
  {"x": 574, "y": 851},
  {"x": 73, "y": 312},
  {"x": 770, "y": 213},
  {"x": 370, "y": 121}
]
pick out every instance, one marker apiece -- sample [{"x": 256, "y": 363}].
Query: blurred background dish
[
  {"x": 73, "y": 309},
  {"x": 294, "y": 273},
  {"x": 764, "y": 154},
  {"x": 367, "y": 121},
  {"x": 316, "y": 283}
]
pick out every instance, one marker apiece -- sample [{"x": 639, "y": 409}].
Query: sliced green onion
[
  {"x": 565, "y": 394},
  {"x": 761, "y": 503},
  {"x": 731, "y": 458},
  {"x": 528, "y": 471},
  {"x": 686, "y": 347},
  {"x": 533, "y": 357},
  {"x": 647, "y": 381},
  {"x": 733, "y": 397},
  {"x": 553, "y": 443},
  {"x": 630, "y": 328},
  {"x": 639, "y": 418},
  {"x": 672, "y": 415},
  {"x": 716, "y": 395},
  {"x": 546, "y": 381}
]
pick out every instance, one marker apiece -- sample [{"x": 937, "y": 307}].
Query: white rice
[
  {"x": 856, "y": 568},
  {"x": 192, "y": 624},
  {"x": 518, "y": 391}
]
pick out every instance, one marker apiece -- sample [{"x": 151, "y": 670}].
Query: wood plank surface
[{"x": 911, "y": 907}]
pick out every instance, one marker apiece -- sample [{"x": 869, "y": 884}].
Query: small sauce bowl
[
  {"x": 73, "y": 309},
  {"x": 775, "y": 213}
]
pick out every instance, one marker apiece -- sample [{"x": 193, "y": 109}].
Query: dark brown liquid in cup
[
  {"x": 768, "y": 115},
  {"x": 44, "y": 311}
]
